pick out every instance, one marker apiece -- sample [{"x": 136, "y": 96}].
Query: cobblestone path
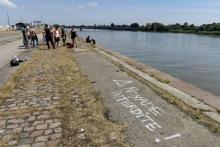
[{"x": 25, "y": 116}]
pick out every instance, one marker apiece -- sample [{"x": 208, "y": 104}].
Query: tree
[
  {"x": 124, "y": 25},
  {"x": 135, "y": 25},
  {"x": 186, "y": 24},
  {"x": 56, "y": 25},
  {"x": 177, "y": 26},
  {"x": 192, "y": 27},
  {"x": 202, "y": 28},
  {"x": 112, "y": 25}
]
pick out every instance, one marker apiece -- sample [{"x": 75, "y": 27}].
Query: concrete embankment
[
  {"x": 191, "y": 95},
  {"x": 156, "y": 113}
]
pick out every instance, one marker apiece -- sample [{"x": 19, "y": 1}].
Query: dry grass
[
  {"x": 81, "y": 107},
  {"x": 18, "y": 113},
  {"x": 6, "y": 90},
  {"x": 2, "y": 143},
  {"x": 159, "y": 79}
]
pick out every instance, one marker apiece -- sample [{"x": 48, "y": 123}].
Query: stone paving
[{"x": 26, "y": 115}]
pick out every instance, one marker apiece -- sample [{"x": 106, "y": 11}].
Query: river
[{"x": 192, "y": 58}]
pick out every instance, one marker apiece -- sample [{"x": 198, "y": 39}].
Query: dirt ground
[{"x": 8, "y": 33}]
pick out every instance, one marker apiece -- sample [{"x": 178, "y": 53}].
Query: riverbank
[
  {"x": 190, "y": 58},
  {"x": 48, "y": 101},
  {"x": 163, "y": 77},
  {"x": 189, "y": 94},
  {"x": 216, "y": 33},
  {"x": 211, "y": 33},
  {"x": 129, "y": 93}
]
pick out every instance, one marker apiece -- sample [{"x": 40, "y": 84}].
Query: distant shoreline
[{"x": 215, "y": 33}]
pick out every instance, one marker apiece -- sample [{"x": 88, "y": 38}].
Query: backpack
[{"x": 14, "y": 62}]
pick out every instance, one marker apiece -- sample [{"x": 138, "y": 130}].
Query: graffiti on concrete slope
[{"x": 128, "y": 96}]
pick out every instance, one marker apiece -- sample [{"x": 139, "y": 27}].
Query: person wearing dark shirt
[
  {"x": 88, "y": 40},
  {"x": 49, "y": 37},
  {"x": 73, "y": 37},
  {"x": 25, "y": 38},
  {"x": 63, "y": 36}
]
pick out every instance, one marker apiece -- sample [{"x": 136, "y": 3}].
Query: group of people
[
  {"x": 29, "y": 36},
  {"x": 53, "y": 36}
]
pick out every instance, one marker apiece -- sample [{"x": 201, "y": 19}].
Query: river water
[{"x": 192, "y": 58}]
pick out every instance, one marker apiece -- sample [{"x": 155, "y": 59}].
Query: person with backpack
[{"x": 73, "y": 37}]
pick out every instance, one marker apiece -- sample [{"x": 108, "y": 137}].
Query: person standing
[
  {"x": 49, "y": 36},
  {"x": 33, "y": 37},
  {"x": 25, "y": 37},
  {"x": 28, "y": 34},
  {"x": 63, "y": 36},
  {"x": 44, "y": 37},
  {"x": 52, "y": 35},
  {"x": 73, "y": 37},
  {"x": 57, "y": 36}
]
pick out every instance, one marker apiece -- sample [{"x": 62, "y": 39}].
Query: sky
[{"x": 90, "y": 12}]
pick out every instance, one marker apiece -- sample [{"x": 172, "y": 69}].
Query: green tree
[
  {"x": 112, "y": 25},
  {"x": 135, "y": 25},
  {"x": 56, "y": 25}
]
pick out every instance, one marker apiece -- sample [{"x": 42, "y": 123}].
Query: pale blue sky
[{"x": 106, "y": 11}]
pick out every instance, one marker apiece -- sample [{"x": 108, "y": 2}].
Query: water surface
[{"x": 192, "y": 58}]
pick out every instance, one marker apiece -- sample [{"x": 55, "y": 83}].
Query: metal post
[{"x": 8, "y": 21}]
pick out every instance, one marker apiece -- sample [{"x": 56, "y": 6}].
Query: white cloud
[
  {"x": 7, "y": 3},
  {"x": 93, "y": 4},
  {"x": 81, "y": 6}
]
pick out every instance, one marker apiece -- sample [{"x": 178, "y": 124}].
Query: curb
[{"x": 187, "y": 99}]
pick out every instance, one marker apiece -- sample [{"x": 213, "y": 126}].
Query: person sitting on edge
[
  {"x": 93, "y": 41},
  {"x": 88, "y": 40}
]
